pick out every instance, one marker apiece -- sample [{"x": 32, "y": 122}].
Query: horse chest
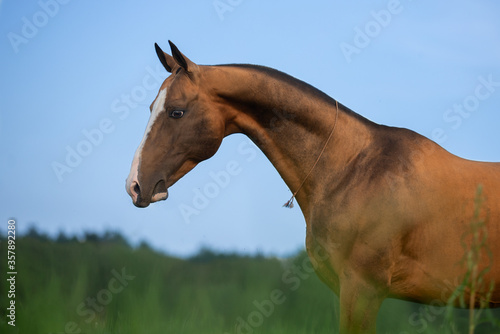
[{"x": 326, "y": 258}]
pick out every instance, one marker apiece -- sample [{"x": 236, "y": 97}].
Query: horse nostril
[{"x": 137, "y": 189}]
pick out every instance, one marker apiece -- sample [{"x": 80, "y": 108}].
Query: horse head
[{"x": 182, "y": 131}]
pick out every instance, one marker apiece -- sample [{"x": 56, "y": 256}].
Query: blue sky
[{"x": 79, "y": 77}]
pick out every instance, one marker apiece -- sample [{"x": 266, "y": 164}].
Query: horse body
[{"x": 386, "y": 208}]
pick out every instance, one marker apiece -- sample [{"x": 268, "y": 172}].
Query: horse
[{"x": 388, "y": 211}]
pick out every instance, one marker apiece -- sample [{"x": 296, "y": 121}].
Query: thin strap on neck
[{"x": 289, "y": 204}]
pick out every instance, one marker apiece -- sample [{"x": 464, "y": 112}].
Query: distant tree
[
  {"x": 91, "y": 237},
  {"x": 145, "y": 246},
  {"x": 204, "y": 255},
  {"x": 115, "y": 237},
  {"x": 35, "y": 234},
  {"x": 63, "y": 238},
  {"x": 108, "y": 237}
]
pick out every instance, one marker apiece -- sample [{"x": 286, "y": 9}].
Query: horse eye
[{"x": 177, "y": 113}]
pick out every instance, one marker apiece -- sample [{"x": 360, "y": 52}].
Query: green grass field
[{"x": 105, "y": 286}]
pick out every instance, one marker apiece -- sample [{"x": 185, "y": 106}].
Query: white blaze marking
[{"x": 157, "y": 109}]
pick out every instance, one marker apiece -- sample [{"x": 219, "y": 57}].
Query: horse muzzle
[{"x": 141, "y": 198}]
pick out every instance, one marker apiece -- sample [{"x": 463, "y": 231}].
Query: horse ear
[
  {"x": 181, "y": 59},
  {"x": 166, "y": 60}
]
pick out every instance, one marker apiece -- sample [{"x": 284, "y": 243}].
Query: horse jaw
[{"x": 160, "y": 192}]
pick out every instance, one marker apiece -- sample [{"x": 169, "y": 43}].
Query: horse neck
[{"x": 290, "y": 121}]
